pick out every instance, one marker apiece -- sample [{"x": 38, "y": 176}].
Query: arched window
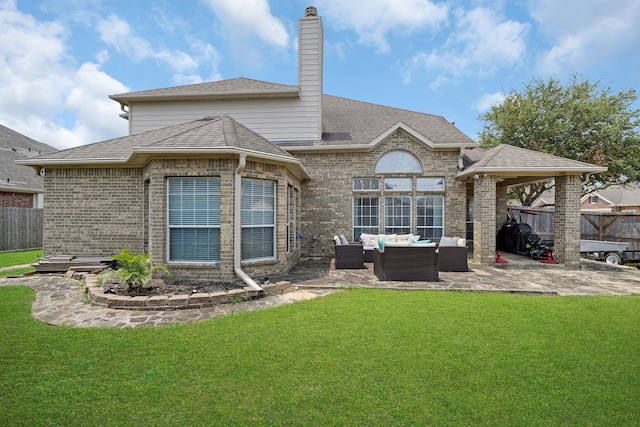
[{"x": 398, "y": 162}]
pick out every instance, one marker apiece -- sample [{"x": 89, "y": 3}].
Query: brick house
[
  {"x": 19, "y": 187},
  {"x": 241, "y": 178}
]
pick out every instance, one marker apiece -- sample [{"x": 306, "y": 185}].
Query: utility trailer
[{"x": 609, "y": 252}]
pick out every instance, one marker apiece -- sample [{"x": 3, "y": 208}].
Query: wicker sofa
[
  {"x": 349, "y": 256},
  {"x": 453, "y": 254},
  {"x": 406, "y": 263}
]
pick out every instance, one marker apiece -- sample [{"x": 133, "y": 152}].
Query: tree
[{"x": 580, "y": 121}]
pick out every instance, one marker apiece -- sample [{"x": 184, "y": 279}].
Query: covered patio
[{"x": 490, "y": 173}]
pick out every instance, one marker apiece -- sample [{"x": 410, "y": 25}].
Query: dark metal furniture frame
[{"x": 406, "y": 263}]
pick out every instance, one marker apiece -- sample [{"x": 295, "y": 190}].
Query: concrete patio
[{"x": 61, "y": 301}]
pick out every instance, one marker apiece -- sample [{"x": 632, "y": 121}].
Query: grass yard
[
  {"x": 8, "y": 259},
  {"x": 359, "y": 357}
]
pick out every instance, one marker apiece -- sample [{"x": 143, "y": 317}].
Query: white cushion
[
  {"x": 462, "y": 242},
  {"x": 343, "y": 240},
  {"x": 388, "y": 237},
  {"x": 398, "y": 243},
  {"x": 449, "y": 241},
  {"x": 337, "y": 240}
]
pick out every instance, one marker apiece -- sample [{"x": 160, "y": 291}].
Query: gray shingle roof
[
  {"x": 15, "y": 146},
  {"x": 619, "y": 195},
  {"x": 347, "y": 122},
  {"x": 208, "y": 135},
  {"x": 240, "y": 86},
  {"x": 507, "y": 159}
]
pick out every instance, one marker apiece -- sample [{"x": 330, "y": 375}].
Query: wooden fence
[
  {"x": 611, "y": 226},
  {"x": 20, "y": 229}
]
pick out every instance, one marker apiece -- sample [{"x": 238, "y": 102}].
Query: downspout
[
  {"x": 460, "y": 159},
  {"x": 237, "y": 224}
]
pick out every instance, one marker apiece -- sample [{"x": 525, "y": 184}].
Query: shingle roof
[
  {"x": 347, "y": 122},
  {"x": 15, "y": 146},
  {"x": 621, "y": 195},
  {"x": 239, "y": 87},
  {"x": 204, "y": 136},
  {"x": 509, "y": 160}
]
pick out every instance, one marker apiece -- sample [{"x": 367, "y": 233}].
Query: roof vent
[{"x": 311, "y": 11}]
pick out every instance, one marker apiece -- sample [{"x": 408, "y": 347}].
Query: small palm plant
[{"x": 133, "y": 271}]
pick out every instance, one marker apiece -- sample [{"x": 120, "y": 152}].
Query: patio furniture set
[{"x": 402, "y": 257}]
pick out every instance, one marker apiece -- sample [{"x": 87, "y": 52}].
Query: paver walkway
[{"x": 61, "y": 301}]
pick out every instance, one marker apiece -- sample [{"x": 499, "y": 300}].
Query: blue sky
[{"x": 61, "y": 59}]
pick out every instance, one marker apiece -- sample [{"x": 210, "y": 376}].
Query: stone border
[{"x": 97, "y": 295}]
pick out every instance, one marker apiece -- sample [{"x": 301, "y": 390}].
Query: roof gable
[
  {"x": 208, "y": 136},
  {"x": 508, "y": 160}
]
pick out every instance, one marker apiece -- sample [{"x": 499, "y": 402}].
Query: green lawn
[
  {"x": 359, "y": 357},
  {"x": 7, "y": 259}
]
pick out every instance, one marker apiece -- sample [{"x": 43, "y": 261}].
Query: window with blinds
[
  {"x": 194, "y": 219},
  {"x": 258, "y": 219}
]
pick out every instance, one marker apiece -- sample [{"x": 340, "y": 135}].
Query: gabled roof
[
  {"x": 346, "y": 123},
  {"x": 619, "y": 195},
  {"x": 509, "y": 161},
  {"x": 223, "y": 89},
  {"x": 14, "y": 177},
  {"x": 357, "y": 125},
  {"x": 207, "y": 136}
]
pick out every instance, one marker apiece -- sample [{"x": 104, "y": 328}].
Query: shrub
[{"x": 133, "y": 271}]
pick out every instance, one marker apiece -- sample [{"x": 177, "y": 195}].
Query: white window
[
  {"x": 194, "y": 219},
  {"x": 397, "y": 184},
  {"x": 593, "y": 199},
  {"x": 366, "y": 184},
  {"x": 397, "y": 215},
  {"x": 398, "y": 162},
  {"x": 258, "y": 219},
  {"x": 366, "y": 216},
  {"x": 430, "y": 217},
  {"x": 430, "y": 184},
  {"x": 292, "y": 218}
]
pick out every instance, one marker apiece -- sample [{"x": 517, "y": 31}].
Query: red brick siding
[{"x": 16, "y": 200}]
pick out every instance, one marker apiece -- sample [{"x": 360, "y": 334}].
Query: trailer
[{"x": 609, "y": 252}]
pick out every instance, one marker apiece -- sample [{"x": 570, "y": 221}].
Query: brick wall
[
  {"x": 92, "y": 211},
  {"x": 328, "y": 197},
  {"x": 16, "y": 200},
  {"x": 566, "y": 220},
  {"x": 156, "y": 173},
  {"x": 484, "y": 216}
]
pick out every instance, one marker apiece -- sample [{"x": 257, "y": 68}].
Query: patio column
[
  {"x": 566, "y": 220},
  {"x": 501, "y": 205},
  {"x": 484, "y": 219}
]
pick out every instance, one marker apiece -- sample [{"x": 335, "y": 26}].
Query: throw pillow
[
  {"x": 381, "y": 245},
  {"x": 448, "y": 241},
  {"x": 343, "y": 240},
  {"x": 337, "y": 240}
]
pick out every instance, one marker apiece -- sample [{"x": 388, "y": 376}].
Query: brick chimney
[{"x": 310, "y": 44}]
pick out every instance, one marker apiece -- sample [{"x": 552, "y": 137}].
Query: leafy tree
[{"x": 581, "y": 121}]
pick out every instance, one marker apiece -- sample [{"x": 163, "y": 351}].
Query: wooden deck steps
[{"x": 64, "y": 263}]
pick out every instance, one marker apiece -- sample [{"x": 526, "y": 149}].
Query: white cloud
[
  {"x": 374, "y": 20},
  {"x": 487, "y": 101},
  {"x": 246, "y": 19},
  {"x": 482, "y": 43},
  {"x": 117, "y": 33},
  {"x": 586, "y": 32},
  {"x": 41, "y": 87}
]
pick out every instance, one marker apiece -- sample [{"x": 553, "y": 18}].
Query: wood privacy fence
[
  {"x": 20, "y": 228},
  {"x": 611, "y": 226}
]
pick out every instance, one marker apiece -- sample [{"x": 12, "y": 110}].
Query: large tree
[{"x": 580, "y": 121}]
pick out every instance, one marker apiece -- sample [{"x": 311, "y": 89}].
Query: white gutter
[{"x": 237, "y": 225}]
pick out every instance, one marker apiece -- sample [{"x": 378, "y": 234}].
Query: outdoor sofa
[
  {"x": 348, "y": 255},
  {"x": 406, "y": 263},
  {"x": 453, "y": 254}
]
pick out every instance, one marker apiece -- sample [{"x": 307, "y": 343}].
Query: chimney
[{"x": 310, "y": 44}]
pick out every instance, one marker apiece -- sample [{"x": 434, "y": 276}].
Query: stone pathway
[{"x": 61, "y": 301}]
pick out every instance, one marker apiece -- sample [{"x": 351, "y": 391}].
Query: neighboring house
[
  {"x": 19, "y": 186},
  {"x": 241, "y": 178},
  {"x": 615, "y": 198}
]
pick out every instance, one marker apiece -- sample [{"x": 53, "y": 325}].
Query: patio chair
[
  {"x": 349, "y": 256},
  {"x": 453, "y": 258}
]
